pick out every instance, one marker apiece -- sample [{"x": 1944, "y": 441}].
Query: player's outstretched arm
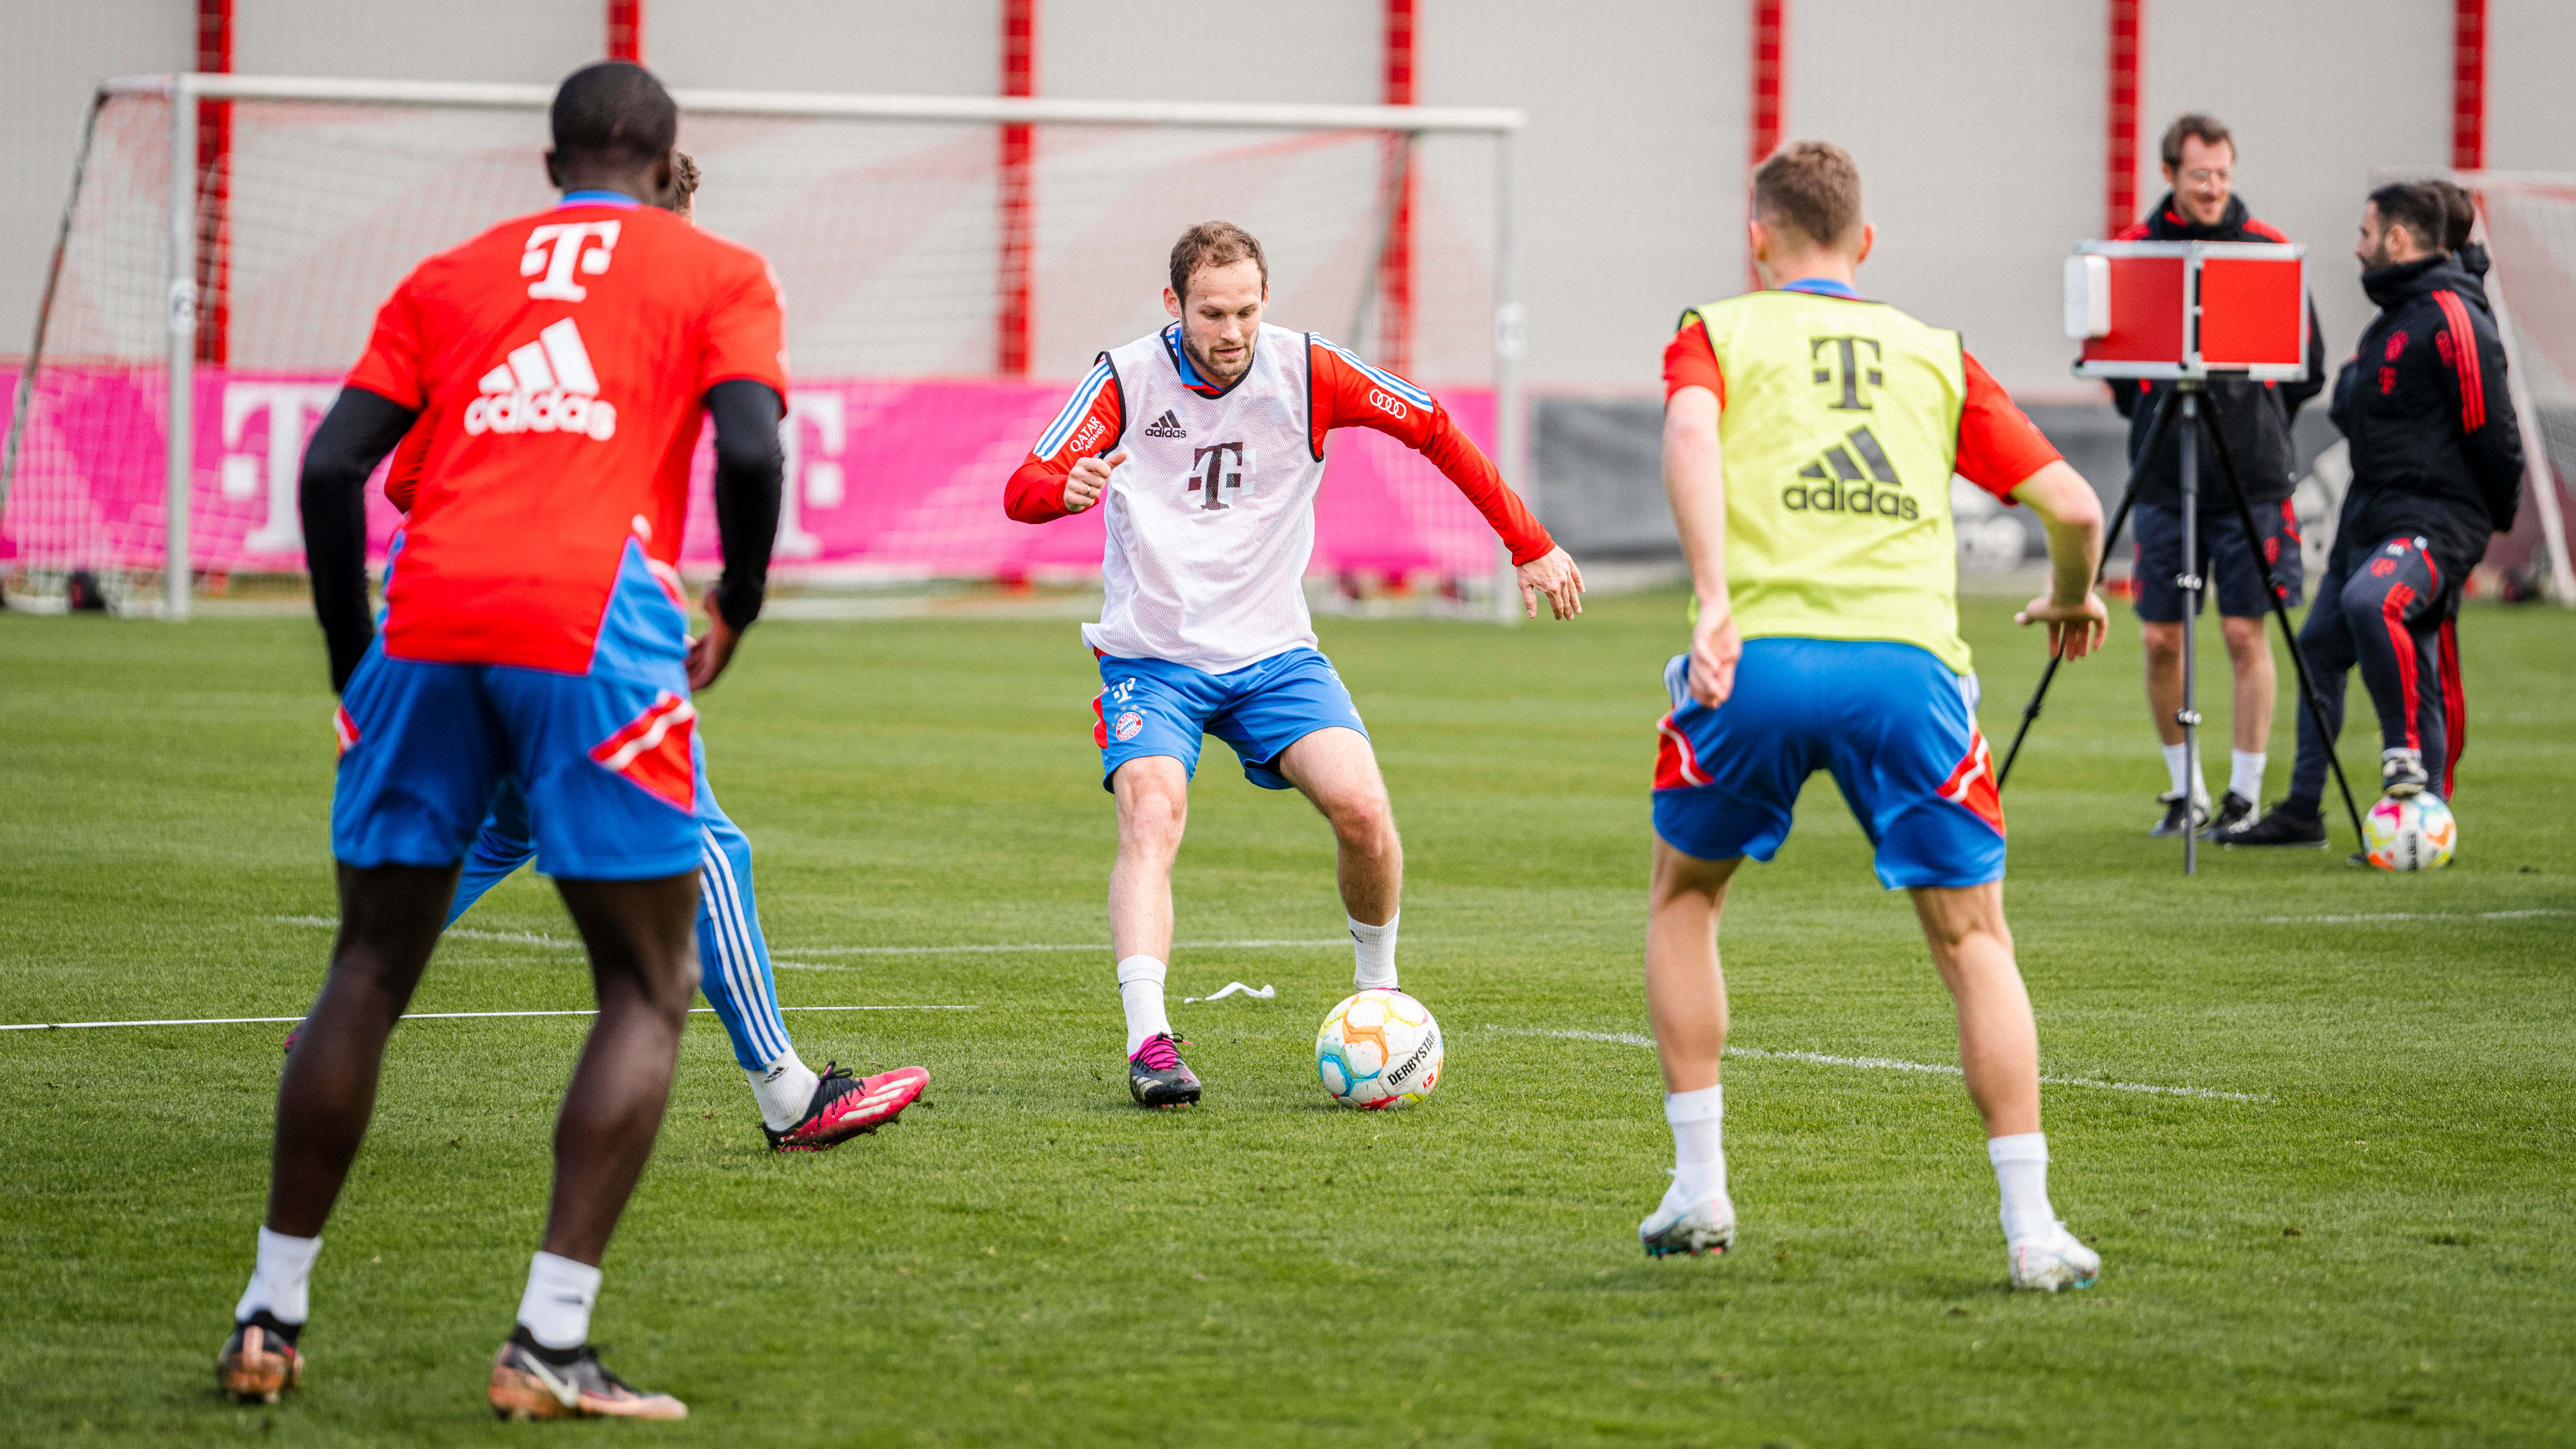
[
  {"x": 332, "y": 499},
  {"x": 750, "y": 471},
  {"x": 1350, "y": 393},
  {"x": 1695, "y": 483},
  {"x": 2072, "y": 513}
]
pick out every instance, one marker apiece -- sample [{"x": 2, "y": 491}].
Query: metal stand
[
  {"x": 2200, "y": 413},
  {"x": 2189, "y": 581}
]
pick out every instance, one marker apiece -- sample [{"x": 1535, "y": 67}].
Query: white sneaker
[
  {"x": 2048, "y": 1261},
  {"x": 1695, "y": 1226}
]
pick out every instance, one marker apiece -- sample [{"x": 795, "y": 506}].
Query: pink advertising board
[{"x": 885, "y": 479}]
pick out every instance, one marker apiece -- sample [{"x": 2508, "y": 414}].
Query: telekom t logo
[
  {"x": 558, "y": 248},
  {"x": 1209, "y": 472},
  {"x": 293, "y": 409}
]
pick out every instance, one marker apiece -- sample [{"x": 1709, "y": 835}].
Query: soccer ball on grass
[
  {"x": 1378, "y": 1049},
  {"x": 2412, "y": 833}
]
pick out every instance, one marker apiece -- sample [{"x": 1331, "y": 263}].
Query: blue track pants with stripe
[{"x": 733, "y": 956}]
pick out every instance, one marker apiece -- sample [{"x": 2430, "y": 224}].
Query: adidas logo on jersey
[
  {"x": 1166, "y": 426},
  {"x": 1834, "y": 483},
  {"x": 547, "y": 386}
]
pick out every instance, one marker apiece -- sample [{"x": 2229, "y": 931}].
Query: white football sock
[
  {"x": 556, "y": 1307},
  {"x": 785, "y": 1088},
  {"x": 1140, "y": 988},
  {"x": 2178, "y": 767},
  {"x": 2021, "y": 1172},
  {"x": 2245, "y": 773},
  {"x": 1374, "y": 946},
  {"x": 1699, "y": 1156},
  {"x": 281, "y": 1280}
]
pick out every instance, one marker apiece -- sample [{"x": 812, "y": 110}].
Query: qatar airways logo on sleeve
[
  {"x": 546, "y": 386},
  {"x": 558, "y": 249}
]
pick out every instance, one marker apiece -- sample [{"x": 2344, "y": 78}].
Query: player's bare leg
[
  {"x": 1686, "y": 1001},
  {"x": 1153, "y": 793},
  {"x": 644, "y": 970},
  {"x": 389, "y": 923},
  {"x": 1337, "y": 771},
  {"x": 1999, "y": 1053}
]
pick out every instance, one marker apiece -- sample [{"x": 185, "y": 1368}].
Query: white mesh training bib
[{"x": 1212, "y": 517}]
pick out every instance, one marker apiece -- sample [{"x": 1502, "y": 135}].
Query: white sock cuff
[
  {"x": 556, "y": 1307},
  {"x": 1141, "y": 968},
  {"x": 2019, "y": 1147},
  {"x": 1367, "y": 932},
  {"x": 296, "y": 1252},
  {"x": 1708, "y": 1104}
]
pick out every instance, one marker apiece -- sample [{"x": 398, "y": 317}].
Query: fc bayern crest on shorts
[{"x": 1129, "y": 722}]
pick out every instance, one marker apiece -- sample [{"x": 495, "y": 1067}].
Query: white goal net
[
  {"x": 2529, "y": 225},
  {"x": 950, "y": 267}
]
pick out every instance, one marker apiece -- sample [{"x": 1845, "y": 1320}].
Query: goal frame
[{"x": 182, "y": 90}]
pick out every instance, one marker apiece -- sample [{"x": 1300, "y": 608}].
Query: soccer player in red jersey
[
  {"x": 533, "y": 634},
  {"x": 1204, "y": 442}
]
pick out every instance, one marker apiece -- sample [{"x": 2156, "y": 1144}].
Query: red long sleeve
[
  {"x": 1350, "y": 393},
  {"x": 1088, "y": 425}
]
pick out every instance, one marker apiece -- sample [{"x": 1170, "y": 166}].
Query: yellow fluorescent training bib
[{"x": 1840, "y": 429}]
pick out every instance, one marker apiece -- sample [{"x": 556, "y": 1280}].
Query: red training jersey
[
  {"x": 559, "y": 363},
  {"x": 1999, "y": 447},
  {"x": 1344, "y": 396}
]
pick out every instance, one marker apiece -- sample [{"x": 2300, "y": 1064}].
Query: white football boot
[
  {"x": 1693, "y": 1225},
  {"x": 2053, "y": 1259}
]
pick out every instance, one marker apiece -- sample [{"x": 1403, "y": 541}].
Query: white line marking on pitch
[
  {"x": 411, "y": 1016},
  {"x": 531, "y": 938},
  {"x": 2414, "y": 916},
  {"x": 1885, "y": 1064}
]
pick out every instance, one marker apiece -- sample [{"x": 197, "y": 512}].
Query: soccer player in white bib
[{"x": 1205, "y": 442}]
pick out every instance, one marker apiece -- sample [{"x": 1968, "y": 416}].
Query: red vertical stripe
[
  {"x": 2468, "y": 85},
  {"x": 2455, "y": 705},
  {"x": 1395, "y": 268},
  {"x": 2120, "y": 161},
  {"x": 1018, "y": 220},
  {"x": 626, "y": 30},
  {"x": 1769, "y": 75},
  {"x": 2464, "y": 360},
  {"x": 214, "y": 187},
  {"x": 2392, "y": 612}
]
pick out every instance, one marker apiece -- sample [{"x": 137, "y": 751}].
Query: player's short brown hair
[
  {"x": 1809, "y": 190},
  {"x": 2211, "y": 131},
  {"x": 1214, "y": 244}
]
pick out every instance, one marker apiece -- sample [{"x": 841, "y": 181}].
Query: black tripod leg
[
  {"x": 2128, "y": 499},
  {"x": 2281, "y": 611}
]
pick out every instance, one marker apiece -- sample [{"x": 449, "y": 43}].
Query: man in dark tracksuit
[
  {"x": 2436, "y": 467},
  {"x": 2254, "y": 419}
]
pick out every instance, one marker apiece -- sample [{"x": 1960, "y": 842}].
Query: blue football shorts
[
  {"x": 1895, "y": 727},
  {"x": 604, "y": 760},
  {"x": 1150, "y": 707}
]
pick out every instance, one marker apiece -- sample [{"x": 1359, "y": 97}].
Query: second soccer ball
[
  {"x": 2413, "y": 833},
  {"x": 1378, "y": 1049}
]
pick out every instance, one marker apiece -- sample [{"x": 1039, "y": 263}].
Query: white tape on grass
[
  {"x": 1885, "y": 1064},
  {"x": 408, "y": 1016}
]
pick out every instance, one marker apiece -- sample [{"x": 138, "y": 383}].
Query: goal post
[
  {"x": 944, "y": 291},
  {"x": 2528, "y": 222}
]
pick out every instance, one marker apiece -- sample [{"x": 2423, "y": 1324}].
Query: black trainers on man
[{"x": 2284, "y": 824}]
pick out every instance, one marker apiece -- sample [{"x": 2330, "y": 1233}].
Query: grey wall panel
[
  {"x": 2530, "y": 125},
  {"x": 1316, "y": 51},
  {"x": 1980, "y": 146},
  {"x": 2318, "y": 93},
  {"x": 949, "y": 48},
  {"x": 52, "y": 56},
  {"x": 1632, "y": 171},
  {"x": 479, "y": 40}
]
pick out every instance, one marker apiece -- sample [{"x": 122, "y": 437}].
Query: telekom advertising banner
[{"x": 885, "y": 479}]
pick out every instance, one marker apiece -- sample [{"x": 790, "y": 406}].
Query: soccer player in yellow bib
[{"x": 1809, "y": 441}]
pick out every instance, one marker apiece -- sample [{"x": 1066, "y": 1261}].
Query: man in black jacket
[
  {"x": 2254, "y": 418},
  {"x": 2436, "y": 467}
]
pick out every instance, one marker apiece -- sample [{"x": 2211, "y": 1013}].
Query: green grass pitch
[{"x": 2374, "y": 1247}]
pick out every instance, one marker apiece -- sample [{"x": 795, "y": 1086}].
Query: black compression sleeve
[
  {"x": 355, "y": 435},
  {"x": 750, "y": 467}
]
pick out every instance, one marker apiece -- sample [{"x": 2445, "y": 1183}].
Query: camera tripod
[{"x": 2199, "y": 418}]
